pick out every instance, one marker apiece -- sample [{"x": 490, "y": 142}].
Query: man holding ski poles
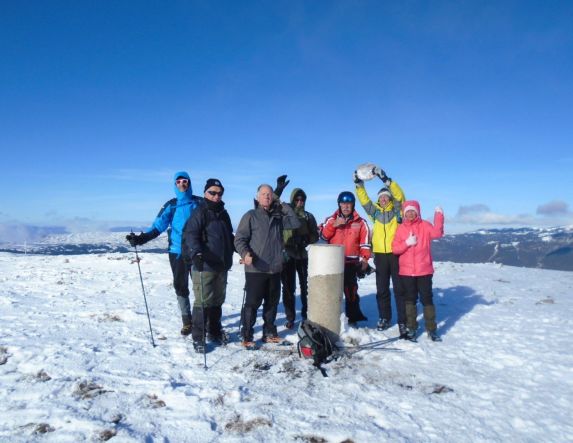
[
  {"x": 208, "y": 244},
  {"x": 172, "y": 217}
]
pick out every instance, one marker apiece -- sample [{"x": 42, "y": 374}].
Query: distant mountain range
[{"x": 548, "y": 248}]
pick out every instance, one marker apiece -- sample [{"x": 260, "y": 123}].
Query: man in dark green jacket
[{"x": 296, "y": 241}]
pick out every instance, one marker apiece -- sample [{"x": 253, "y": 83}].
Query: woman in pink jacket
[{"x": 412, "y": 243}]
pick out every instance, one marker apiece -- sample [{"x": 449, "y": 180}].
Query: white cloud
[
  {"x": 480, "y": 216},
  {"x": 472, "y": 209},
  {"x": 16, "y": 232}
]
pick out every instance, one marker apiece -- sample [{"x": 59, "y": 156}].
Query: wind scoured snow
[{"x": 76, "y": 362}]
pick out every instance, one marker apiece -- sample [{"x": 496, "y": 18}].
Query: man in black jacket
[{"x": 208, "y": 245}]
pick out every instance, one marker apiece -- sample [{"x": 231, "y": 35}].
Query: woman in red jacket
[{"x": 412, "y": 243}]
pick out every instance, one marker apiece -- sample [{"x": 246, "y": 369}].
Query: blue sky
[{"x": 466, "y": 104}]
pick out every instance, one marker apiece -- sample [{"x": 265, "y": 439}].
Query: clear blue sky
[{"x": 466, "y": 104}]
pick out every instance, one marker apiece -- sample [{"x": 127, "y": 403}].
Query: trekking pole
[
  {"x": 203, "y": 315},
  {"x": 242, "y": 308},
  {"x": 144, "y": 297}
]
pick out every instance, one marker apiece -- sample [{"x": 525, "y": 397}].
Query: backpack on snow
[{"x": 314, "y": 343}]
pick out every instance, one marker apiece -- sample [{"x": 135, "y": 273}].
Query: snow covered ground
[{"x": 76, "y": 362}]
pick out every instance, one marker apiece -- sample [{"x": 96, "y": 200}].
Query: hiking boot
[
  {"x": 383, "y": 324},
  {"x": 354, "y": 320},
  {"x": 186, "y": 329},
  {"x": 433, "y": 335},
  {"x": 289, "y": 324},
  {"x": 403, "y": 330},
  {"x": 272, "y": 339},
  {"x": 221, "y": 339},
  {"x": 249, "y": 345},
  {"x": 199, "y": 347},
  {"x": 410, "y": 334}
]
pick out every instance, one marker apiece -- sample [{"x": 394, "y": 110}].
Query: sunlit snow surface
[{"x": 77, "y": 362}]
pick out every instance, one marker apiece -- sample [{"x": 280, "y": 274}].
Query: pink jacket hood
[{"x": 411, "y": 204}]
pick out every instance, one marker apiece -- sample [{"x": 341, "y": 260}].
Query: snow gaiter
[
  {"x": 411, "y": 314},
  {"x": 214, "y": 320},
  {"x": 430, "y": 318},
  {"x": 184, "y": 306},
  {"x": 198, "y": 331}
]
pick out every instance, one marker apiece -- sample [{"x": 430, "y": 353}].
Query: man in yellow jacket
[{"x": 385, "y": 214}]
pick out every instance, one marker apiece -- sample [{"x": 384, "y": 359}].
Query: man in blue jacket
[{"x": 172, "y": 217}]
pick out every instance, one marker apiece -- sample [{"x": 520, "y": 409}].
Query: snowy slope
[{"x": 78, "y": 364}]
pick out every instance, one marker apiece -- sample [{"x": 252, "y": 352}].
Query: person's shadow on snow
[{"x": 451, "y": 303}]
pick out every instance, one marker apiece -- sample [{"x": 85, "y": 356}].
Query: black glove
[
  {"x": 361, "y": 273},
  {"x": 136, "y": 240},
  {"x": 282, "y": 183},
  {"x": 198, "y": 262},
  {"x": 356, "y": 179},
  {"x": 276, "y": 209},
  {"x": 380, "y": 173}
]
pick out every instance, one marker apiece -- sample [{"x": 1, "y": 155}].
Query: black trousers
[
  {"x": 387, "y": 268},
  {"x": 288, "y": 277},
  {"x": 422, "y": 286},
  {"x": 261, "y": 288},
  {"x": 181, "y": 274},
  {"x": 352, "y": 306}
]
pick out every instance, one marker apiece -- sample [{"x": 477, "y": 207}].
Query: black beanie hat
[{"x": 213, "y": 182}]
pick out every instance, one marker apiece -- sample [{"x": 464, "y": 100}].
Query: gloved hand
[
  {"x": 411, "y": 240},
  {"x": 380, "y": 173},
  {"x": 276, "y": 209},
  {"x": 439, "y": 209},
  {"x": 356, "y": 179},
  {"x": 198, "y": 262},
  {"x": 136, "y": 240},
  {"x": 282, "y": 183}
]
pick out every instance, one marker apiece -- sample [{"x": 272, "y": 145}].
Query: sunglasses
[
  {"x": 182, "y": 181},
  {"x": 214, "y": 193},
  {"x": 299, "y": 199}
]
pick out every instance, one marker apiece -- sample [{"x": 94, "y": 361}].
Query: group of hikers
[{"x": 272, "y": 240}]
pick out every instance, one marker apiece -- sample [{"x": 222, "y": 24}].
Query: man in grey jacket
[{"x": 259, "y": 242}]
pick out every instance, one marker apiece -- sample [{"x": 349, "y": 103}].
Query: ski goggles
[{"x": 346, "y": 199}]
